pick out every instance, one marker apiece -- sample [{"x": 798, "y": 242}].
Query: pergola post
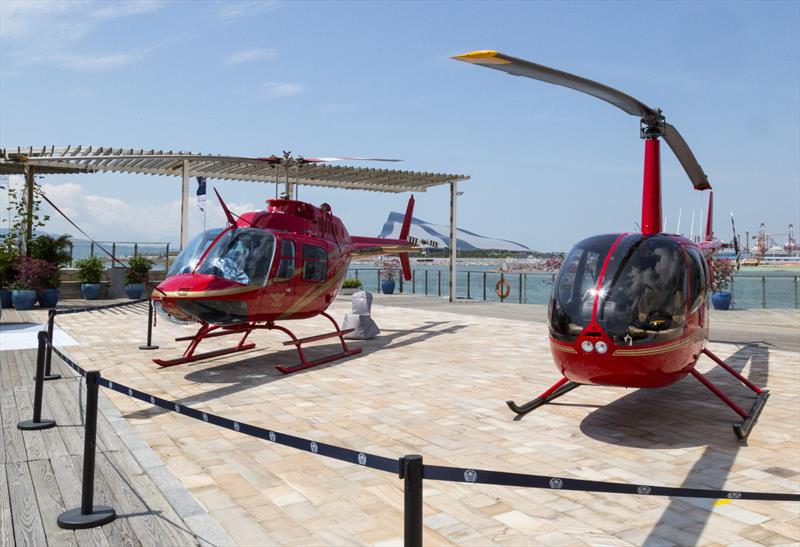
[
  {"x": 185, "y": 205},
  {"x": 453, "y": 239},
  {"x": 27, "y": 233}
]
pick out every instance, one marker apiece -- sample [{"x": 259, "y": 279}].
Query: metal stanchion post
[
  {"x": 426, "y": 282},
  {"x": 413, "y": 281},
  {"x": 520, "y": 288},
  {"x": 411, "y": 471},
  {"x": 37, "y": 422},
  {"x": 51, "y": 319},
  {"x": 149, "y": 344},
  {"x": 468, "y": 285},
  {"x": 439, "y": 282},
  {"x": 88, "y": 515},
  {"x": 484, "y": 286},
  {"x": 763, "y": 292}
]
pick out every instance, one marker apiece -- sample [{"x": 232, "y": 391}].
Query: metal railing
[
  {"x": 157, "y": 251},
  {"x": 749, "y": 290}
]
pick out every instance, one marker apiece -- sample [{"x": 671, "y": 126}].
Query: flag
[{"x": 201, "y": 193}]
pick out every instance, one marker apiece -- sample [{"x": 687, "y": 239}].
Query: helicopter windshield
[
  {"x": 644, "y": 300},
  {"x": 242, "y": 255},
  {"x": 574, "y": 292},
  {"x": 187, "y": 259}
]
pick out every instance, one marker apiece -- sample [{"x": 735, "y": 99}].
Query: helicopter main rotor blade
[
  {"x": 521, "y": 67},
  {"x": 649, "y": 116},
  {"x": 686, "y": 157},
  {"x": 342, "y": 158}
]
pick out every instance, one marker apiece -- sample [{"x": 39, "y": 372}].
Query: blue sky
[{"x": 548, "y": 165}]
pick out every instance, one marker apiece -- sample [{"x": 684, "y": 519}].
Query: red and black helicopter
[
  {"x": 285, "y": 263},
  {"x": 631, "y": 309}
]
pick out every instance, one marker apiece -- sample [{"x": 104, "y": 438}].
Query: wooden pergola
[{"x": 288, "y": 171}]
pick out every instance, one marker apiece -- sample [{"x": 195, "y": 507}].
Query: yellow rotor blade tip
[{"x": 482, "y": 57}]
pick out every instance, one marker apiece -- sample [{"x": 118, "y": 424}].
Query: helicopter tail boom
[{"x": 376, "y": 246}]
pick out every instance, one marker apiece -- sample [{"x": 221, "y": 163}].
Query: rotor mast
[{"x": 651, "y": 186}]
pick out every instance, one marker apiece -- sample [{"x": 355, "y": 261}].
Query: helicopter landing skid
[
  {"x": 556, "y": 390},
  {"x": 206, "y": 331},
  {"x": 298, "y": 344},
  {"x": 742, "y": 430},
  {"x": 209, "y": 331}
]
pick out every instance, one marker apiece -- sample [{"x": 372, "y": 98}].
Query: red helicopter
[
  {"x": 631, "y": 309},
  {"x": 265, "y": 267}
]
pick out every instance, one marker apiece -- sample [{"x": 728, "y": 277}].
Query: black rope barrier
[
  {"x": 323, "y": 449},
  {"x": 430, "y": 472},
  {"x": 502, "y": 478}
]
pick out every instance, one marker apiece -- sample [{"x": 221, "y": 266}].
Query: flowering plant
[
  {"x": 553, "y": 264},
  {"x": 721, "y": 274},
  {"x": 35, "y": 274},
  {"x": 389, "y": 270}
]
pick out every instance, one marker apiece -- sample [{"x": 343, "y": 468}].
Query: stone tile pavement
[{"x": 434, "y": 383}]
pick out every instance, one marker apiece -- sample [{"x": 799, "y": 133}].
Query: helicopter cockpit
[
  {"x": 643, "y": 295},
  {"x": 242, "y": 255}
]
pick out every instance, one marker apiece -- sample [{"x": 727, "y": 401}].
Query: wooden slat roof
[{"x": 89, "y": 159}]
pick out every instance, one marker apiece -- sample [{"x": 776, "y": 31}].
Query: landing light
[
  {"x": 587, "y": 346},
  {"x": 601, "y": 347}
]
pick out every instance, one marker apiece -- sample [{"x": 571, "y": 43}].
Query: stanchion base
[
  {"x": 148, "y": 347},
  {"x": 75, "y": 520},
  {"x": 29, "y": 425}
]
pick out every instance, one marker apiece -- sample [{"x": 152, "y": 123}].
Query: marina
[{"x": 333, "y": 273}]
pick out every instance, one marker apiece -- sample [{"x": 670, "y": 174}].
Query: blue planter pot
[
  {"x": 91, "y": 291},
  {"x": 387, "y": 286},
  {"x": 5, "y": 298},
  {"x": 24, "y": 299},
  {"x": 134, "y": 291},
  {"x": 721, "y": 300},
  {"x": 48, "y": 298}
]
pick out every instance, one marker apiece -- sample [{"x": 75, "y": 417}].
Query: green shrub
[
  {"x": 55, "y": 250},
  {"x": 351, "y": 284},
  {"x": 7, "y": 272},
  {"x": 90, "y": 269},
  {"x": 138, "y": 270}
]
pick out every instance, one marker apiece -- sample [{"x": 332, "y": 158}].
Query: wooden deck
[{"x": 42, "y": 469}]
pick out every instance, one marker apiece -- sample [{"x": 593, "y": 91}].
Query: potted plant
[
  {"x": 136, "y": 276},
  {"x": 351, "y": 286},
  {"x": 56, "y": 251},
  {"x": 388, "y": 273},
  {"x": 90, "y": 271},
  {"x": 721, "y": 275},
  {"x": 33, "y": 275},
  {"x": 7, "y": 274}
]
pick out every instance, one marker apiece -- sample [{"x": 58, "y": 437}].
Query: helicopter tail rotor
[
  {"x": 710, "y": 218},
  {"x": 736, "y": 248}
]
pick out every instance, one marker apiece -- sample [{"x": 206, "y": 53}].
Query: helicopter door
[{"x": 285, "y": 273}]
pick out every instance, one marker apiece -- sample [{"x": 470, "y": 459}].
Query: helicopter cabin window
[
  {"x": 315, "y": 263},
  {"x": 286, "y": 264},
  {"x": 697, "y": 279},
  {"x": 242, "y": 255},
  {"x": 573, "y": 298},
  {"x": 186, "y": 261},
  {"x": 646, "y": 301}
]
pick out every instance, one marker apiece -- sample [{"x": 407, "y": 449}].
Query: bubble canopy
[{"x": 637, "y": 295}]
